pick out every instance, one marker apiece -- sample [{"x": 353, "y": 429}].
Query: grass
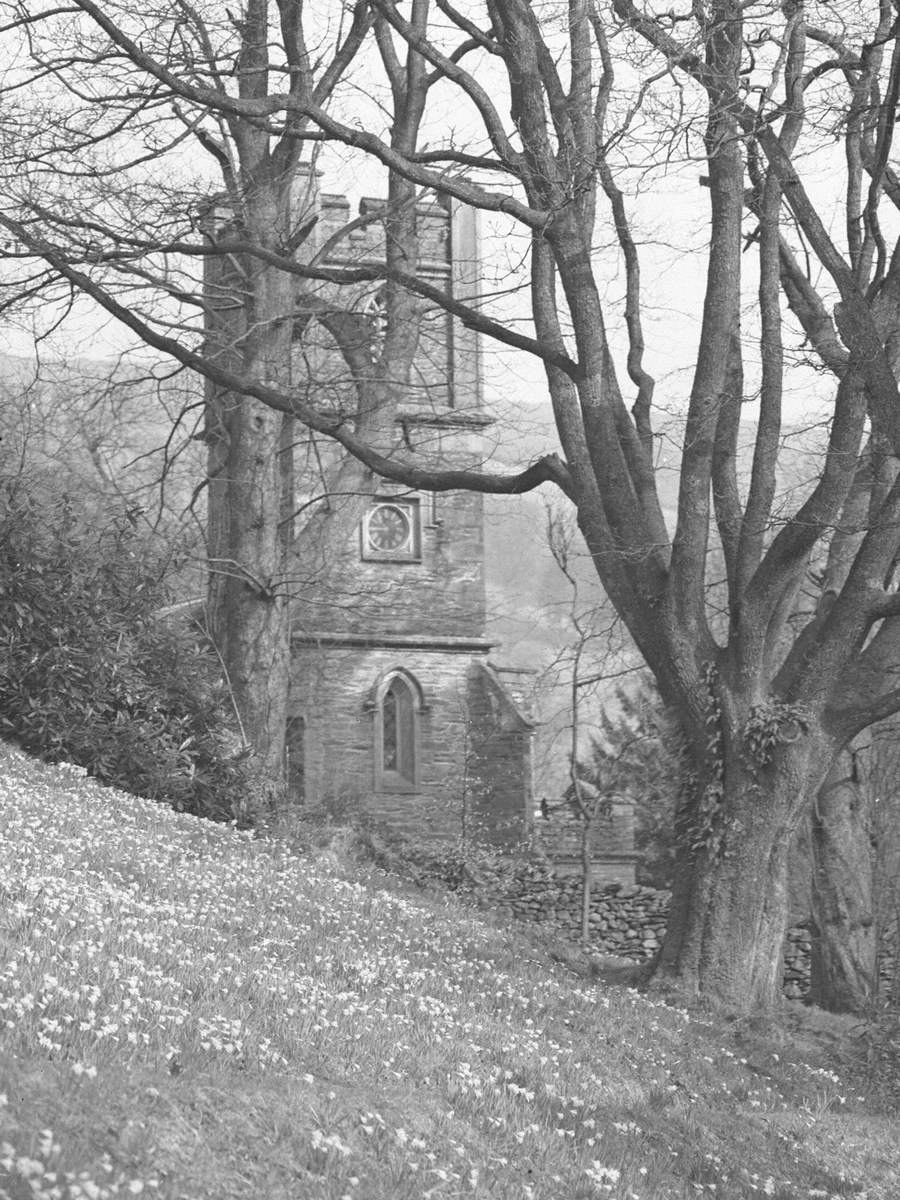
[{"x": 187, "y": 1011}]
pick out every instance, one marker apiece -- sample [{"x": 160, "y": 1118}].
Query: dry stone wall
[{"x": 627, "y": 920}]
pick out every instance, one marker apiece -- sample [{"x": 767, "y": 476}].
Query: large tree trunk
[
  {"x": 252, "y": 615},
  {"x": 247, "y": 603},
  {"x": 729, "y": 911},
  {"x": 730, "y": 902},
  {"x": 844, "y": 945},
  {"x": 251, "y": 484}
]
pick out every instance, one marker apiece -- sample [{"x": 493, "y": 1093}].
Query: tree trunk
[
  {"x": 728, "y": 918},
  {"x": 247, "y": 603},
  {"x": 844, "y": 945},
  {"x": 251, "y": 487},
  {"x": 587, "y": 880},
  {"x": 254, "y": 613}
]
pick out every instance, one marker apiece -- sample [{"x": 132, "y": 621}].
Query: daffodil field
[{"x": 189, "y": 1011}]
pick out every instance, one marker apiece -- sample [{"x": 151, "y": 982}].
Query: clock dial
[{"x": 389, "y": 528}]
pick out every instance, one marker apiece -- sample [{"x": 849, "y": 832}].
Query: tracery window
[{"x": 375, "y": 308}]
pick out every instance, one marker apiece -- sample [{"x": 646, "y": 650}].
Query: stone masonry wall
[
  {"x": 333, "y": 687},
  {"x": 478, "y": 757},
  {"x": 498, "y": 758},
  {"x": 439, "y": 595},
  {"x": 628, "y": 921}
]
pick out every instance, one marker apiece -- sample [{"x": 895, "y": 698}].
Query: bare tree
[
  {"x": 762, "y": 97},
  {"x": 108, "y": 436},
  {"x": 590, "y": 658},
  {"x": 230, "y": 243}
]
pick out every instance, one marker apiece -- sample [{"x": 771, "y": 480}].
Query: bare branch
[{"x": 548, "y": 470}]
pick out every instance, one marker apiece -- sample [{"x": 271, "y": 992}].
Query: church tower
[{"x": 395, "y": 707}]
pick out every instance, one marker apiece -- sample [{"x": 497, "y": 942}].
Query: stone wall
[
  {"x": 333, "y": 688},
  {"x": 473, "y": 746},
  {"x": 498, "y": 761},
  {"x": 438, "y": 594},
  {"x": 628, "y": 921}
]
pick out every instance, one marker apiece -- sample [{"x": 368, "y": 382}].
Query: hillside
[{"x": 189, "y": 1012}]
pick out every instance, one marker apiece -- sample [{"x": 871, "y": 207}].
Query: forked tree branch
[{"x": 549, "y": 469}]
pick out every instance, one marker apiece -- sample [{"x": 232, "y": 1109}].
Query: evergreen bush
[
  {"x": 637, "y": 754},
  {"x": 89, "y": 674}
]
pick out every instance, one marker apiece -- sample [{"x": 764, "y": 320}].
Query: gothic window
[
  {"x": 396, "y": 735},
  {"x": 391, "y": 530},
  {"x": 375, "y": 309}
]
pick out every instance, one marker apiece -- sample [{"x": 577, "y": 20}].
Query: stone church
[{"x": 398, "y": 708}]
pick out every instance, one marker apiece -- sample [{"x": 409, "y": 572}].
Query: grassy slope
[{"x": 187, "y": 1012}]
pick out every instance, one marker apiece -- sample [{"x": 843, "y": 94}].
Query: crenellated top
[
  {"x": 446, "y": 378},
  {"x": 445, "y": 386}
]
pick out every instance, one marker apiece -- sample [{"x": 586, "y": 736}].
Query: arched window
[
  {"x": 396, "y": 735},
  {"x": 375, "y": 308}
]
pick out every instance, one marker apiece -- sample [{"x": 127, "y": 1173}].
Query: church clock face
[{"x": 390, "y": 530}]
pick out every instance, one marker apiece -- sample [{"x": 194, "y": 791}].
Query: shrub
[
  {"x": 638, "y": 755},
  {"x": 89, "y": 673},
  {"x": 468, "y": 868}
]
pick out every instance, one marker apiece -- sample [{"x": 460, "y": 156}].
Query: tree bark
[
  {"x": 253, "y": 616},
  {"x": 250, "y": 325},
  {"x": 725, "y": 937},
  {"x": 587, "y": 873},
  {"x": 843, "y": 944},
  {"x": 754, "y": 770}
]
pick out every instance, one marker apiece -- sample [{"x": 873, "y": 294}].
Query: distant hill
[{"x": 108, "y": 427}]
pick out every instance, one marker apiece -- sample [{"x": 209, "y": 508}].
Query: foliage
[
  {"x": 637, "y": 755},
  {"x": 465, "y": 866},
  {"x": 705, "y": 829},
  {"x": 772, "y": 724},
  {"x": 89, "y": 674}
]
